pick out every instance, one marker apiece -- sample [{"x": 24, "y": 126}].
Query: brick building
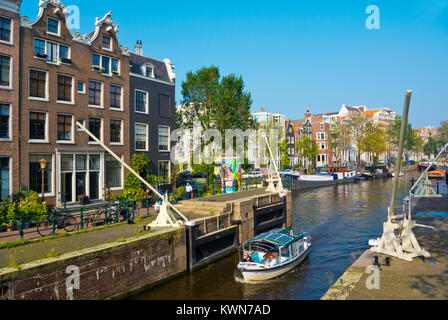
[
  {"x": 9, "y": 95},
  {"x": 65, "y": 78},
  {"x": 151, "y": 103},
  {"x": 321, "y": 135}
]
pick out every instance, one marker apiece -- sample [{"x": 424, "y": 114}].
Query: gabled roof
[{"x": 160, "y": 70}]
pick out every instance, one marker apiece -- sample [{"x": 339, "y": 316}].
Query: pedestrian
[{"x": 189, "y": 191}]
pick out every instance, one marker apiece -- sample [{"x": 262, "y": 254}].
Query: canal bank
[
  {"x": 420, "y": 279},
  {"x": 122, "y": 260}
]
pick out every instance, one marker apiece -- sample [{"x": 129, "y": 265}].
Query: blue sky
[{"x": 295, "y": 54}]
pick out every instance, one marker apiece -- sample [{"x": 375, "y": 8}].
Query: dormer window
[
  {"x": 53, "y": 26},
  {"x": 148, "y": 70},
  {"x": 106, "y": 43}
]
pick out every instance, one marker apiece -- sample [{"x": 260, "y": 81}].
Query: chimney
[{"x": 139, "y": 48}]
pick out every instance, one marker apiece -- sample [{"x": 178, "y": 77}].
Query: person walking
[{"x": 189, "y": 191}]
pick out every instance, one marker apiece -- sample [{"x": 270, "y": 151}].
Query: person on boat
[
  {"x": 272, "y": 261},
  {"x": 246, "y": 258}
]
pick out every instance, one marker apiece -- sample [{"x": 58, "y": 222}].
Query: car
[
  {"x": 185, "y": 175},
  {"x": 200, "y": 175},
  {"x": 253, "y": 174}
]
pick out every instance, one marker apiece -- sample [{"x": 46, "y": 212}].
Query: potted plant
[
  {"x": 115, "y": 72},
  {"x": 83, "y": 199},
  {"x": 65, "y": 60},
  {"x": 40, "y": 55},
  {"x": 96, "y": 68}
]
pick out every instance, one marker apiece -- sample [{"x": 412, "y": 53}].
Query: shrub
[
  {"x": 26, "y": 205},
  {"x": 7, "y": 209}
]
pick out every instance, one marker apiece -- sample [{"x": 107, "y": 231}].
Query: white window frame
[
  {"x": 147, "y": 136},
  {"x": 46, "y": 140},
  {"x": 72, "y": 140},
  {"x": 169, "y": 133},
  {"x": 169, "y": 169},
  {"x": 11, "y": 36},
  {"x": 110, "y": 43},
  {"x": 53, "y": 169},
  {"x": 58, "y": 62},
  {"x": 84, "y": 85},
  {"x": 83, "y": 123},
  {"x": 46, "y": 85},
  {"x": 122, "y": 173},
  {"x": 121, "y": 133},
  {"x": 147, "y": 102},
  {"x": 59, "y": 27},
  {"x": 101, "y": 106},
  {"x": 10, "y": 72},
  {"x": 72, "y": 102},
  {"x": 152, "y": 70},
  {"x": 9, "y": 124},
  {"x": 110, "y": 74},
  {"x": 122, "y": 98},
  {"x": 101, "y": 130}
]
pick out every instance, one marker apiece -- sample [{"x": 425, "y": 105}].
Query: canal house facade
[
  {"x": 65, "y": 78},
  {"x": 9, "y": 96},
  {"x": 152, "y": 103}
]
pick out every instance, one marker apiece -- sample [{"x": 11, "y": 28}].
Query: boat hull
[{"x": 266, "y": 274}]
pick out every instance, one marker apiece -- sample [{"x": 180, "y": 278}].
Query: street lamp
[{"x": 43, "y": 166}]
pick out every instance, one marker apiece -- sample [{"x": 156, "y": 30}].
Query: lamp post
[{"x": 43, "y": 166}]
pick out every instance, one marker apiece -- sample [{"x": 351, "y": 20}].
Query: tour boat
[
  {"x": 330, "y": 173},
  {"x": 288, "y": 247},
  {"x": 436, "y": 174}
]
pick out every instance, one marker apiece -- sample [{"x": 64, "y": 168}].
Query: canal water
[{"x": 341, "y": 220}]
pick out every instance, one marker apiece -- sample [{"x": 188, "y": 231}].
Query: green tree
[
  {"x": 285, "y": 161},
  {"x": 393, "y": 135},
  {"x": 419, "y": 145},
  {"x": 216, "y": 103},
  {"x": 358, "y": 123},
  {"x": 134, "y": 189},
  {"x": 443, "y": 132},
  {"x": 308, "y": 150},
  {"x": 341, "y": 139},
  {"x": 430, "y": 147},
  {"x": 374, "y": 139}
]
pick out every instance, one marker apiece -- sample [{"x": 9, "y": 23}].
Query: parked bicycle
[{"x": 73, "y": 222}]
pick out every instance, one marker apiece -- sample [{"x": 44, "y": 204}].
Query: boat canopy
[{"x": 279, "y": 237}]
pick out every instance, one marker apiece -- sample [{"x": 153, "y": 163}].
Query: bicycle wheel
[
  {"x": 45, "y": 228},
  {"x": 70, "y": 223}
]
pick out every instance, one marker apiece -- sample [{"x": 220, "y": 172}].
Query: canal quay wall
[
  {"x": 127, "y": 266},
  {"x": 420, "y": 279},
  {"x": 104, "y": 271}
]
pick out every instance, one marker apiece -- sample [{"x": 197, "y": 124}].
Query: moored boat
[{"x": 273, "y": 253}]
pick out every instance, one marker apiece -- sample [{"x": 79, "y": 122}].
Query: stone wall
[{"x": 105, "y": 271}]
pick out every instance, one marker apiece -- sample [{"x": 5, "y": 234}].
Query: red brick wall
[
  {"x": 80, "y": 69},
  {"x": 11, "y": 148}
]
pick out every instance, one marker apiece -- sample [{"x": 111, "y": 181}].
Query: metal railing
[
  {"x": 200, "y": 190},
  {"x": 439, "y": 185},
  {"x": 67, "y": 220}
]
